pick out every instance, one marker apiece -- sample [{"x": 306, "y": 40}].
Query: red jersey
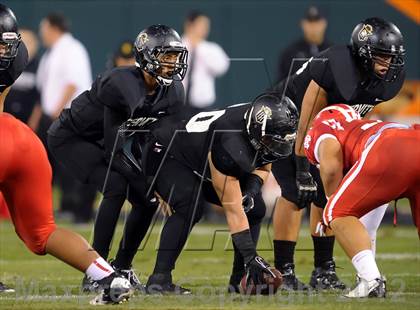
[{"x": 354, "y": 137}]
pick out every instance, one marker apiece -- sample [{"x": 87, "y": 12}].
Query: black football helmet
[
  {"x": 9, "y": 36},
  {"x": 151, "y": 44},
  {"x": 375, "y": 37},
  {"x": 271, "y": 123}
]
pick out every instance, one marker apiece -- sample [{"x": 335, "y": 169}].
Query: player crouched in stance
[
  {"x": 25, "y": 181},
  {"x": 357, "y": 158},
  {"x": 220, "y": 156},
  {"x": 86, "y": 138}
]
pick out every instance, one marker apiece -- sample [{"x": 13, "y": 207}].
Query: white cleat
[{"x": 375, "y": 288}]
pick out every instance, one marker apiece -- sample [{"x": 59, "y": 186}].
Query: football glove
[
  {"x": 247, "y": 203},
  {"x": 255, "y": 270},
  {"x": 306, "y": 186},
  {"x": 252, "y": 186}
]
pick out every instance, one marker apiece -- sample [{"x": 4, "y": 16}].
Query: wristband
[{"x": 243, "y": 242}]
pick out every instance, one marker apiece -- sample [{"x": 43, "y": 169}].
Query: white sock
[
  {"x": 99, "y": 269},
  {"x": 365, "y": 265},
  {"x": 371, "y": 221}
]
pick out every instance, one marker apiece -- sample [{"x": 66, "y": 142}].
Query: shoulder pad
[
  {"x": 232, "y": 156},
  {"x": 123, "y": 86},
  {"x": 344, "y": 70}
]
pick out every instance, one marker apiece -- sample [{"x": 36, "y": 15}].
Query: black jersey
[
  {"x": 190, "y": 136},
  {"x": 9, "y": 75},
  {"x": 336, "y": 71},
  {"x": 115, "y": 96},
  {"x": 24, "y": 94}
]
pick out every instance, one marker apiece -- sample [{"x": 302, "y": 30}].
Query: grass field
[{"x": 45, "y": 283}]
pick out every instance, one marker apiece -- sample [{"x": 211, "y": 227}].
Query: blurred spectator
[
  {"x": 123, "y": 56},
  {"x": 63, "y": 73},
  {"x": 206, "y": 61},
  {"x": 23, "y": 98},
  {"x": 314, "y": 25}
]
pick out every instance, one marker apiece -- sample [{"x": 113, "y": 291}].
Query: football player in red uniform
[
  {"x": 25, "y": 182},
  {"x": 356, "y": 159}
]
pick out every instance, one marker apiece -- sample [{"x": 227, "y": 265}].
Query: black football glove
[
  {"x": 252, "y": 186},
  {"x": 306, "y": 186},
  {"x": 255, "y": 270},
  {"x": 247, "y": 203}
]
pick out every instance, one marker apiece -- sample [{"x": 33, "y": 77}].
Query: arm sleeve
[
  {"x": 115, "y": 112},
  {"x": 113, "y": 119}
]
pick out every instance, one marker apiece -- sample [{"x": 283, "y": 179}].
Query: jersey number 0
[{"x": 201, "y": 121}]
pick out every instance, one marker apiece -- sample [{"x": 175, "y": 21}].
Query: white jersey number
[{"x": 201, "y": 121}]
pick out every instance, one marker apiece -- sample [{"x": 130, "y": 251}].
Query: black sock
[
  {"x": 323, "y": 249},
  {"x": 238, "y": 268},
  {"x": 283, "y": 252}
]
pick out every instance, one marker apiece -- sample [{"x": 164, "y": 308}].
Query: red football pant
[
  {"x": 389, "y": 168},
  {"x": 25, "y": 181}
]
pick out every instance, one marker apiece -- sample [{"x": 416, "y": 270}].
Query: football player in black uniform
[
  {"x": 13, "y": 60},
  {"x": 365, "y": 73},
  {"x": 84, "y": 138},
  {"x": 223, "y": 156}
]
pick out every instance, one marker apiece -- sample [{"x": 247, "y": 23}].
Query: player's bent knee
[{"x": 36, "y": 241}]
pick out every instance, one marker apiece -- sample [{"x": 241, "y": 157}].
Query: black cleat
[
  {"x": 161, "y": 284},
  {"x": 131, "y": 276},
  {"x": 290, "y": 282},
  {"x": 234, "y": 283},
  {"x": 325, "y": 277},
  {"x": 5, "y": 289},
  {"x": 89, "y": 286},
  {"x": 115, "y": 289}
]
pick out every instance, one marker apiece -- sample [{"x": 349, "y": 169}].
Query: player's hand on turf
[
  {"x": 306, "y": 186},
  {"x": 255, "y": 270},
  {"x": 247, "y": 203}
]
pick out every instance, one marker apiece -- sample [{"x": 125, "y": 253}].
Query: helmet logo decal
[
  {"x": 263, "y": 114},
  {"x": 9, "y": 36},
  {"x": 143, "y": 38},
  {"x": 365, "y": 32}
]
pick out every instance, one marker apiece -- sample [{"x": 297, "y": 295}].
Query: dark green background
[{"x": 246, "y": 28}]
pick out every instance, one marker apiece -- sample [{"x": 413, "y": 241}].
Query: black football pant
[
  {"x": 76, "y": 198},
  {"x": 184, "y": 191},
  {"x": 85, "y": 161}
]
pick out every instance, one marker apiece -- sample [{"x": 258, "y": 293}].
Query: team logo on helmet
[
  {"x": 365, "y": 32},
  {"x": 263, "y": 114},
  {"x": 143, "y": 38}
]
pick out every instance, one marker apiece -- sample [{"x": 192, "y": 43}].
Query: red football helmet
[{"x": 337, "y": 112}]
